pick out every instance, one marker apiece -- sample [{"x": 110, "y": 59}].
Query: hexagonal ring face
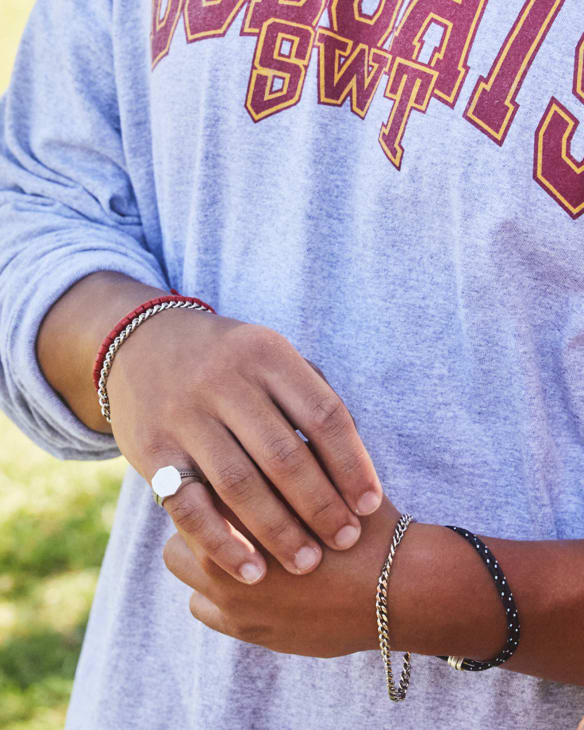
[{"x": 166, "y": 481}]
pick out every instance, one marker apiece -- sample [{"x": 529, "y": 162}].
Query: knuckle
[
  {"x": 284, "y": 454},
  {"x": 153, "y": 443},
  {"x": 242, "y": 626},
  {"x": 262, "y": 339},
  {"x": 278, "y": 531},
  {"x": 252, "y": 633},
  {"x": 263, "y": 345},
  {"x": 216, "y": 544},
  {"x": 234, "y": 483},
  {"x": 156, "y": 448},
  {"x": 329, "y": 416},
  {"x": 186, "y": 514},
  {"x": 327, "y": 511},
  {"x": 355, "y": 463}
]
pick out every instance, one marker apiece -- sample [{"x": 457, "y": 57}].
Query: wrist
[
  {"x": 372, "y": 550},
  {"x": 442, "y": 599},
  {"x": 125, "y": 328},
  {"x": 68, "y": 338}
]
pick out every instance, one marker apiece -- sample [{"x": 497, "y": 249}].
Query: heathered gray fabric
[{"x": 444, "y": 302}]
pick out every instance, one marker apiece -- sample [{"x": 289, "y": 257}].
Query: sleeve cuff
[{"x": 28, "y": 399}]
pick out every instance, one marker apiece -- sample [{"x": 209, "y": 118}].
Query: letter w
[{"x": 346, "y": 67}]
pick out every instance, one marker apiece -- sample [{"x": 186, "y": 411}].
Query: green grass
[{"x": 55, "y": 519}]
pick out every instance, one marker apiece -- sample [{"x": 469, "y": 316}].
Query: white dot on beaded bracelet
[
  {"x": 502, "y": 593},
  {"x": 488, "y": 560}
]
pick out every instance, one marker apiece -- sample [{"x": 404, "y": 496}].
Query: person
[{"x": 382, "y": 202}]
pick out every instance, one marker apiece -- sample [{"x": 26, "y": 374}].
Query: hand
[
  {"x": 328, "y": 613},
  {"x": 211, "y": 394}
]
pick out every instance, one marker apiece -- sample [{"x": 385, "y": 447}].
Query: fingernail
[
  {"x": 306, "y": 558},
  {"x": 250, "y": 572},
  {"x": 368, "y": 503},
  {"x": 347, "y": 536}
]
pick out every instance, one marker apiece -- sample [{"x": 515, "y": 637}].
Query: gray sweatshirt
[{"x": 397, "y": 188}]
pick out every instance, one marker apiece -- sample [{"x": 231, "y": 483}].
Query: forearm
[
  {"x": 443, "y": 601},
  {"x": 73, "y": 330},
  {"x": 441, "y": 598}
]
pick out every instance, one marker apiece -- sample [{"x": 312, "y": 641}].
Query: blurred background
[{"x": 55, "y": 519}]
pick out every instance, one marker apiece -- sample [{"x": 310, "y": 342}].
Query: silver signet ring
[{"x": 167, "y": 481}]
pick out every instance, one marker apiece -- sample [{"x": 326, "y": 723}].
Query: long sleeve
[{"x": 67, "y": 206}]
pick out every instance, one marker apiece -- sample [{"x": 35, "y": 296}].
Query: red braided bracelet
[{"x": 123, "y": 323}]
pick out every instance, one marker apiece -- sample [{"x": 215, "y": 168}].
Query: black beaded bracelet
[{"x": 472, "y": 665}]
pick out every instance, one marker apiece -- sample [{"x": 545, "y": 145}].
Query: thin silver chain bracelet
[
  {"x": 396, "y": 694},
  {"x": 123, "y": 336}
]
